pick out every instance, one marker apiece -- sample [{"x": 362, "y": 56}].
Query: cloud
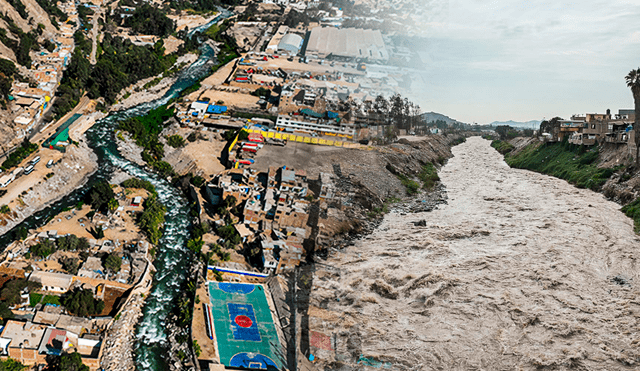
[{"x": 527, "y": 48}]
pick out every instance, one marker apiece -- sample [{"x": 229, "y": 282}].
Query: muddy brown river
[{"x": 520, "y": 271}]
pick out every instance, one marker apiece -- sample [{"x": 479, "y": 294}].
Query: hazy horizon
[{"x": 522, "y": 61}]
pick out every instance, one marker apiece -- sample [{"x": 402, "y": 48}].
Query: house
[
  {"x": 20, "y": 341},
  {"x": 50, "y": 281}
]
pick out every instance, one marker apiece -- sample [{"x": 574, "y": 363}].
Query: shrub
[
  {"x": 176, "y": 141},
  {"x": 411, "y": 186},
  {"x": 428, "y": 176}
]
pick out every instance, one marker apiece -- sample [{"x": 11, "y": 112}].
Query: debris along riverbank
[{"x": 517, "y": 271}]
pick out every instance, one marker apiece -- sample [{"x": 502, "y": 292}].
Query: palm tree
[{"x": 633, "y": 82}]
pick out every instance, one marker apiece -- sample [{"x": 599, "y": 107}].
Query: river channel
[
  {"x": 518, "y": 271},
  {"x": 171, "y": 261}
]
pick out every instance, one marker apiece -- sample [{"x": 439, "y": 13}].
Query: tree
[
  {"x": 11, "y": 364},
  {"x": 43, "y": 248},
  {"x": 100, "y": 195},
  {"x": 633, "y": 82},
  {"x": 82, "y": 303},
  {"x": 66, "y": 362},
  {"x": 10, "y": 294},
  {"x": 113, "y": 263}
]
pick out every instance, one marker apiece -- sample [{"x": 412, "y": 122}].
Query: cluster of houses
[
  {"x": 275, "y": 212},
  {"x": 46, "y": 329},
  {"x": 31, "y": 99},
  {"x": 595, "y": 128}
]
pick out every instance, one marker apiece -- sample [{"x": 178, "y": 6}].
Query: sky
[{"x": 520, "y": 60}]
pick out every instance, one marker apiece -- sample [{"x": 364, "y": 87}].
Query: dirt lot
[{"x": 232, "y": 99}]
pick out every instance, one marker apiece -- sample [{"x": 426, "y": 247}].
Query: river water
[
  {"x": 172, "y": 260},
  {"x": 520, "y": 270}
]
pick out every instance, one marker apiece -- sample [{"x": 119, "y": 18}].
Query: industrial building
[
  {"x": 347, "y": 43},
  {"x": 290, "y": 44}
]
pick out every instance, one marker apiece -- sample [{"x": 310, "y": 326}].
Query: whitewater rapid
[{"x": 518, "y": 271}]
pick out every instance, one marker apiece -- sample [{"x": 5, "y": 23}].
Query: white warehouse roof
[
  {"x": 291, "y": 42},
  {"x": 347, "y": 42}
]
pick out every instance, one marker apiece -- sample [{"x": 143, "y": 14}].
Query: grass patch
[
  {"x": 502, "y": 146},
  {"x": 411, "y": 186},
  {"x": 575, "y": 164},
  {"x": 632, "y": 210},
  {"x": 428, "y": 176},
  {"x": 34, "y": 299},
  {"x": 51, "y": 299}
]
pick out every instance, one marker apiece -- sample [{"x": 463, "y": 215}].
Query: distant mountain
[
  {"x": 533, "y": 124},
  {"x": 433, "y": 116}
]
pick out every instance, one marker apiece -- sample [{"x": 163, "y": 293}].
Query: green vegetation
[
  {"x": 4, "y": 209},
  {"x": 632, "y": 210},
  {"x": 11, "y": 364},
  {"x": 506, "y": 132},
  {"x": 502, "y": 146},
  {"x": 200, "y": 6},
  {"x": 152, "y": 83},
  {"x": 8, "y": 72},
  {"x": 47, "y": 247},
  {"x": 20, "y": 8},
  {"x": 196, "y": 348},
  {"x": 149, "y": 20},
  {"x": 152, "y": 218},
  {"x": 575, "y": 164},
  {"x": 11, "y": 290},
  {"x": 141, "y": 184},
  {"x": 249, "y": 116},
  {"x": 34, "y": 299},
  {"x": 100, "y": 195},
  {"x": 410, "y": 185},
  {"x": 112, "y": 262},
  {"x": 22, "y": 152},
  {"x": 83, "y": 13},
  {"x": 71, "y": 265},
  {"x": 120, "y": 64},
  {"x": 66, "y": 362},
  {"x": 43, "y": 249},
  {"x": 428, "y": 176},
  {"x": 5, "y": 313},
  {"x": 176, "y": 141},
  {"x": 26, "y": 41},
  {"x": 51, "y": 299},
  {"x": 81, "y": 302},
  {"x": 197, "y": 181},
  {"x": 82, "y": 42},
  {"x": 145, "y": 130},
  {"x": 52, "y": 9}
]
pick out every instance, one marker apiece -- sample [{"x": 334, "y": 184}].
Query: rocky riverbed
[{"x": 517, "y": 271}]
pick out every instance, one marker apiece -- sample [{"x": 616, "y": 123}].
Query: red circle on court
[{"x": 243, "y": 321}]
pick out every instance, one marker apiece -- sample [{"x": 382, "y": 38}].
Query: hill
[{"x": 434, "y": 116}]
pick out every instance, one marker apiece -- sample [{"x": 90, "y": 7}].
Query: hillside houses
[{"x": 594, "y": 128}]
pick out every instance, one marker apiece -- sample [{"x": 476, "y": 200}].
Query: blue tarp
[
  {"x": 214, "y": 108},
  {"x": 332, "y": 115}
]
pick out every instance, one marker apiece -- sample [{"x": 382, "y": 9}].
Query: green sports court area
[{"x": 245, "y": 333}]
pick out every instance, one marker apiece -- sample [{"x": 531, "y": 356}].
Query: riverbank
[
  {"x": 515, "y": 264},
  {"x": 36, "y": 191},
  {"x": 606, "y": 168},
  {"x": 137, "y": 94}
]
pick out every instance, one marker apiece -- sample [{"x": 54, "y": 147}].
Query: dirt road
[{"x": 520, "y": 271}]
